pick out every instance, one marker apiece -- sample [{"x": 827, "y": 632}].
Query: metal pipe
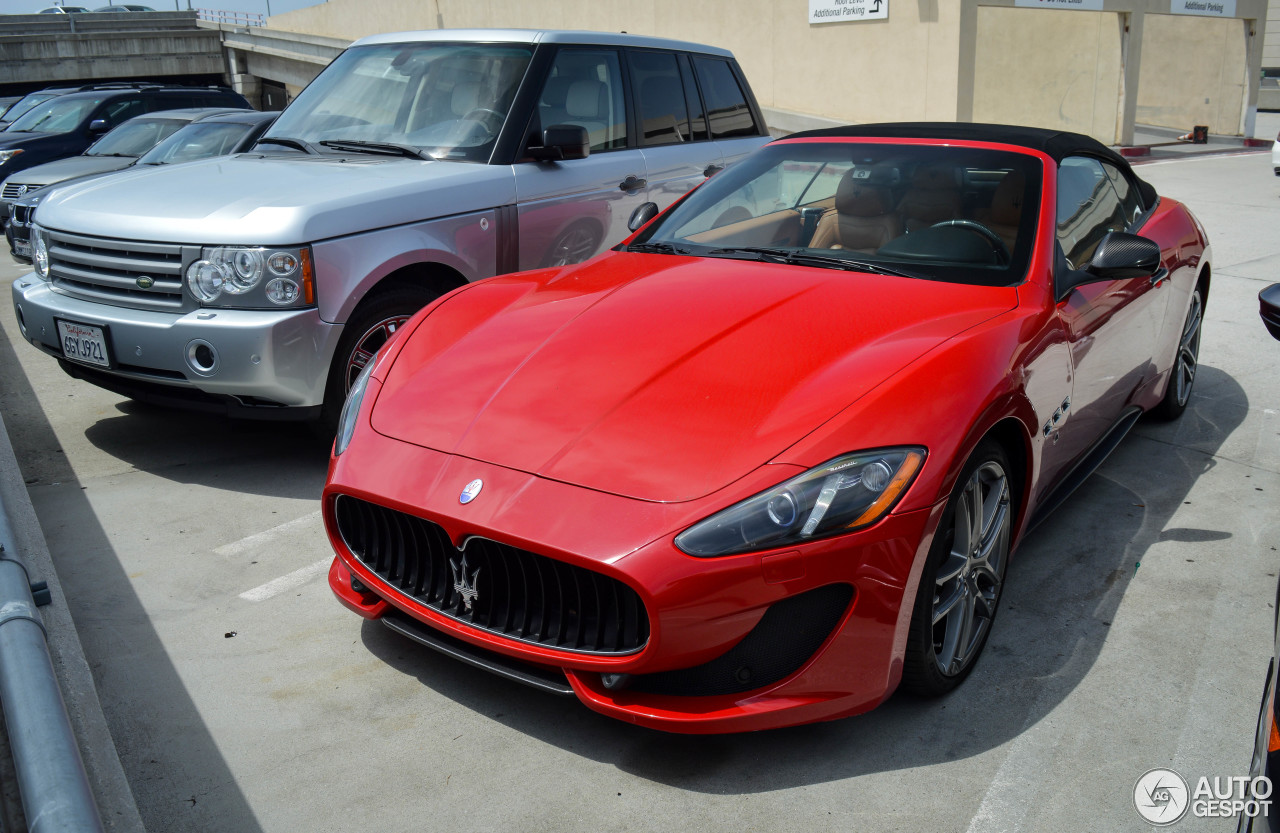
[{"x": 56, "y": 797}]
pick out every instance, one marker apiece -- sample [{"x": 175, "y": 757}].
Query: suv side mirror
[
  {"x": 1119, "y": 256},
  {"x": 98, "y": 126},
  {"x": 563, "y": 141}
]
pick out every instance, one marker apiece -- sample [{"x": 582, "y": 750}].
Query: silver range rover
[{"x": 259, "y": 284}]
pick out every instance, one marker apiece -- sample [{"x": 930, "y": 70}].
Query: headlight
[
  {"x": 848, "y": 493},
  {"x": 40, "y": 251},
  {"x": 253, "y": 277},
  {"x": 351, "y": 408},
  {"x": 6, "y": 155}
]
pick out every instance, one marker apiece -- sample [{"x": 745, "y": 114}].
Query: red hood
[{"x": 658, "y": 377}]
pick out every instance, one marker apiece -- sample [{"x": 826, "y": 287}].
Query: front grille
[
  {"x": 13, "y": 190},
  {"x": 21, "y": 214},
  {"x": 105, "y": 270},
  {"x": 518, "y": 594}
]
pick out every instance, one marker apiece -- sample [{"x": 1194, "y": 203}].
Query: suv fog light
[{"x": 202, "y": 357}]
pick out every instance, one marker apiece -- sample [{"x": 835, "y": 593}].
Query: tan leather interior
[
  {"x": 863, "y": 219},
  {"x": 933, "y": 195}
]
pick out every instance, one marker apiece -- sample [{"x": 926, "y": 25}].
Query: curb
[{"x": 116, "y": 805}]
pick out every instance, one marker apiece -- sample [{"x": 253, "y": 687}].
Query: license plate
[
  {"x": 22, "y": 247},
  {"x": 83, "y": 343}
]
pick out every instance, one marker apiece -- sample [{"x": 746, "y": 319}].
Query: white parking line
[
  {"x": 266, "y": 537},
  {"x": 286, "y": 582}
]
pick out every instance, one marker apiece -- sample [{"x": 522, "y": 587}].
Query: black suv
[{"x": 67, "y": 124}]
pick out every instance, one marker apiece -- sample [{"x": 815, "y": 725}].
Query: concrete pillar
[{"x": 1131, "y": 62}]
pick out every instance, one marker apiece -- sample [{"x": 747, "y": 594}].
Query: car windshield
[
  {"x": 947, "y": 213},
  {"x": 448, "y": 100},
  {"x": 135, "y": 137},
  {"x": 24, "y": 104},
  {"x": 197, "y": 141},
  {"x": 57, "y": 115}
]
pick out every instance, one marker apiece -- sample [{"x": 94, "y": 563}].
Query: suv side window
[
  {"x": 1088, "y": 208},
  {"x": 1128, "y": 193},
  {"x": 660, "y": 98},
  {"x": 727, "y": 106},
  {"x": 584, "y": 88},
  {"x": 121, "y": 110},
  {"x": 697, "y": 113}
]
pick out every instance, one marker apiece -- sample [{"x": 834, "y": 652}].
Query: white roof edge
[{"x": 540, "y": 36}]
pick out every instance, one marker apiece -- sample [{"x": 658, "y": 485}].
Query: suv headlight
[
  {"x": 845, "y": 494},
  {"x": 6, "y": 155},
  {"x": 40, "y": 251},
  {"x": 253, "y": 277}
]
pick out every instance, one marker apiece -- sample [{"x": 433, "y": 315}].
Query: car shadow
[
  {"x": 1068, "y": 578},
  {"x": 274, "y": 459},
  {"x": 219, "y": 804}
]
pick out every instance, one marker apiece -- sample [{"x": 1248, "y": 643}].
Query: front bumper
[
  {"x": 710, "y": 620},
  {"x": 264, "y": 361}
]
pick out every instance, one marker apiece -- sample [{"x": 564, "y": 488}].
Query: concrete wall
[
  {"x": 1197, "y": 76},
  {"x": 985, "y": 60},
  {"x": 898, "y": 69},
  {"x": 1049, "y": 68}
]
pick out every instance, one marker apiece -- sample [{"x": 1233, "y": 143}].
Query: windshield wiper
[
  {"x": 384, "y": 148},
  {"x": 657, "y": 249},
  {"x": 805, "y": 259},
  {"x": 114, "y": 155},
  {"x": 296, "y": 144}
]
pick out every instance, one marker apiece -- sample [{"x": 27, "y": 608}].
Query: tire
[
  {"x": 963, "y": 577},
  {"x": 369, "y": 327},
  {"x": 1185, "y": 363}
]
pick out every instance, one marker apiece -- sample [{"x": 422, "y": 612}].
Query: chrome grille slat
[
  {"x": 107, "y": 270},
  {"x": 522, "y": 595},
  {"x": 134, "y": 265}
]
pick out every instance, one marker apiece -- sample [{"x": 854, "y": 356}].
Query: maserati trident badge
[
  {"x": 465, "y": 585},
  {"x": 470, "y": 491}
]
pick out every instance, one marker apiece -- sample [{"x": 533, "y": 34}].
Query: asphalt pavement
[{"x": 241, "y": 697}]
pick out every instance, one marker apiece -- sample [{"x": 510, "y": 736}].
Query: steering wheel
[
  {"x": 997, "y": 242},
  {"x": 484, "y": 116}
]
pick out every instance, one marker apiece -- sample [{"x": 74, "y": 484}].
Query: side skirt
[{"x": 1088, "y": 463}]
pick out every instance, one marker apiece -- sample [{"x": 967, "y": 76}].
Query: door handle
[
  {"x": 711, "y": 170},
  {"x": 632, "y": 183}
]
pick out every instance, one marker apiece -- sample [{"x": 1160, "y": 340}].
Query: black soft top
[{"x": 1057, "y": 144}]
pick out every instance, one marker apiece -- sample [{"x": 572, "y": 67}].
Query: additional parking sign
[{"x": 843, "y": 11}]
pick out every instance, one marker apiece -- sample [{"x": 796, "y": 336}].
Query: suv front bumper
[{"x": 265, "y": 363}]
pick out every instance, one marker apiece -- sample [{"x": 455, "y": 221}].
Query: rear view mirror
[
  {"x": 563, "y": 141},
  {"x": 98, "y": 126},
  {"x": 1269, "y": 302}
]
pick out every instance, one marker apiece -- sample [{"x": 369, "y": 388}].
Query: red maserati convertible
[{"x": 770, "y": 458}]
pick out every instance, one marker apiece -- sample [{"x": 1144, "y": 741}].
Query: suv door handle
[
  {"x": 632, "y": 183},
  {"x": 711, "y": 170}
]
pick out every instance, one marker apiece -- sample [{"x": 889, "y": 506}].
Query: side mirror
[
  {"x": 646, "y": 211},
  {"x": 98, "y": 126},
  {"x": 563, "y": 141},
  {"x": 1120, "y": 256},
  {"x": 1269, "y": 303}
]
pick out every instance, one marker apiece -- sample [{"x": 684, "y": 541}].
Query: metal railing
[
  {"x": 231, "y": 18},
  {"x": 56, "y": 796}
]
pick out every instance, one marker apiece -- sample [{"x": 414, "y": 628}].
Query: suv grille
[
  {"x": 105, "y": 270},
  {"x": 11, "y": 190},
  {"x": 520, "y": 595}
]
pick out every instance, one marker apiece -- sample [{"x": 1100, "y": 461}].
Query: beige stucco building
[{"x": 1093, "y": 66}]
